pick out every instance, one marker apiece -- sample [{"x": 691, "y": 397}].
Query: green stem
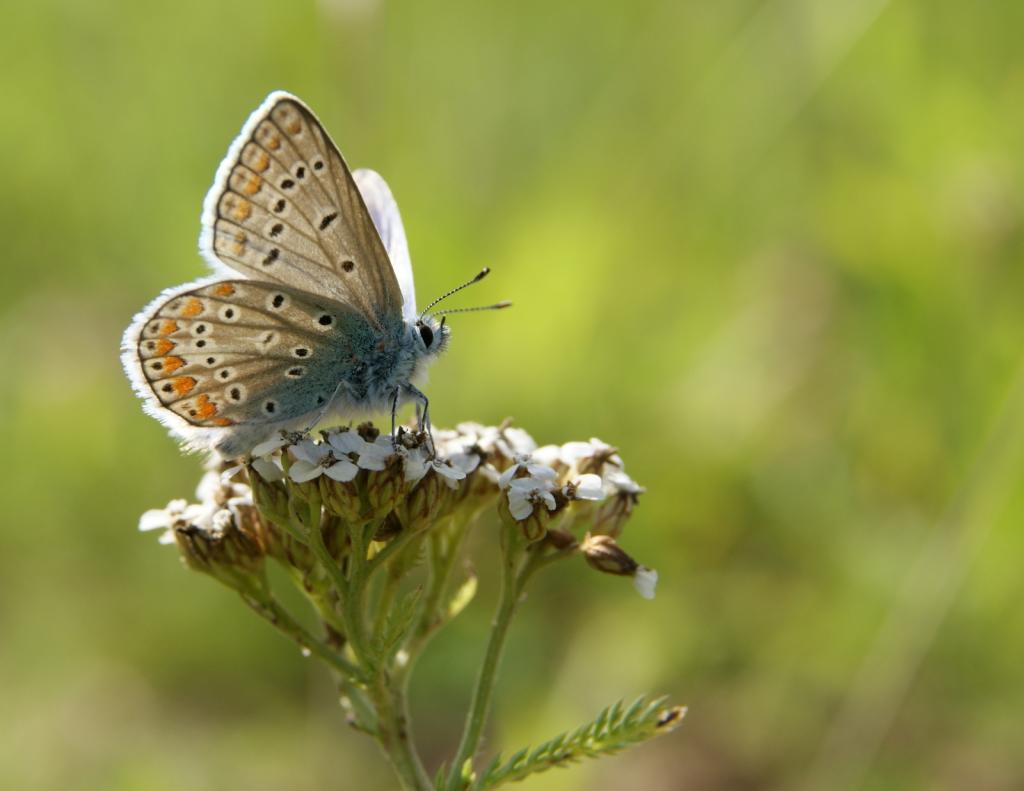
[
  {"x": 364, "y": 715},
  {"x": 271, "y": 610},
  {"x": 393, "y": 734},
  {"x": 352, "y": 604},
  {"x": 480, "y": 703},
  {"x": 315, "y": 538}
]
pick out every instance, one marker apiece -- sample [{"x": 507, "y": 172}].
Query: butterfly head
[{"x": 432, "y": 335}]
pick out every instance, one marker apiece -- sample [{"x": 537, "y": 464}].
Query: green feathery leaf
[{"x": 614, "y": 729}]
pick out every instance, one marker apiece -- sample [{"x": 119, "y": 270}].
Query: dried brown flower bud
[
  {"x": 560, "y": 539},
  {"x": 603, "y": 554}
]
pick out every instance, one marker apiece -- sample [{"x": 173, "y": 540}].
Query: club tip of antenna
[
  {"x": 483, "y": 273},
  {"x": 503, "y": 304}
]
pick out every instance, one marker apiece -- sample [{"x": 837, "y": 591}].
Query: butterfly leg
[
  {"x": 394, "y": 417},
  {"x": 424, "y": 419},
  {"x": 323, "y": 411}
]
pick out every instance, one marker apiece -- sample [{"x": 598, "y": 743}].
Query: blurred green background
[{"x": 771, "y": 250}]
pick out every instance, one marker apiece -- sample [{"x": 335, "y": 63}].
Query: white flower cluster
[
  {"x": 342, "y": 453},
  {"x": 552, "y": 475},
  {"x": 579, "y": 470},
  {"x": 219, "y": 502},
  {"x": 583, "y": 481}
]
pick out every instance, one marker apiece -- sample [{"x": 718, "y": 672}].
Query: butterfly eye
[{"x": 427, "y": 335}]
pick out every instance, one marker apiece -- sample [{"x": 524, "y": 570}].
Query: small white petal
[
  {"x": 376, "y": 463},
  {"x": 505, "y": 479},
  {"x": 235, "y": 504},
  {"x": 621, "y": 482},
  {"x": 519, "y": 440},
  {"x": 347, "y": 442},
  {"x": 269, "y": 469},
  {"x": 229, "y": 473},
  {"x": 310, "y": 451},
  {"x": 548, "y": 455},
  {"x": 541, "y": 472},
  {"x": 519, "y": 504},
  {"x": 374, "y": 456},
  {"x": 199, "y": 514},
  {"x": 267, "y": 447},
  {"x": 448, "y": 471},
  {"x": 645, "y": 580},
  {"x": 415, "y": 465},
  {"x": 574, "y": 451},
  {"x": 524, "y": 485},
  {"x": 302, "y": 471},
  {"x": 548, "y": 498},
  {"x": 467, "y": 462},
  {"x": 589, "y": 487},
  {"x": 449, "y": 474},
  {"x": 342, "y": 470},
  {"x": 221, "y": 521},
  {"x": 155, "y": 519},
  {"x": 209, "y": 487},
  {"x": 167, "y": 537}
]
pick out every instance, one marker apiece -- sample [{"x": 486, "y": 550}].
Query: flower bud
[
  {"x": 560, "y": 539},
  {"x": 602, "y": 553},
  {"x": 425, "y": 501},
  {"x": 385, "y": 488},
  {"x": 222, "y": 550},
  {"x": 610, "y": 516},
  {"x": 289, "y": 551},
  {"x": 341, "y": 498},
  {"x": 271, "y": 498}
]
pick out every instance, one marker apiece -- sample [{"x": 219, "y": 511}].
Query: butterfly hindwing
[
  {"x": 388, "y": 221},
  {"x": 239, "y": 352},
  {"x": 285, "y": 209}
]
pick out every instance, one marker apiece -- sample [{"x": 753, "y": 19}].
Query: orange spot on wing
[
  {"x": 241, "y": 210},
  {"x": 226, "y": 289},
  {"x": 223, "y": 421},
  {"x": 172, "y": 364},
  {"x": 239, "y": 246},
  {"x": 294, "y": 127},
  {"x": 183, "y": 385},
  {"x": 163, "y": 346},
  {"x": 205, "y": 409},
  {"x": 252, "y": 184},
  {"x": 273, "y": 142},
  {"x": 168, "y": 327},
  {"x": 193, "y": 307},
  {"x": 260, "y": 161}
]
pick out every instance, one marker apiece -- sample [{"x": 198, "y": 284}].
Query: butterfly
[{"x": 311, "y": 311}]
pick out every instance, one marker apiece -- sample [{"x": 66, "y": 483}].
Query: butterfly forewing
[
  {"x": 242, "y": 352},
  {"x": 285, "y": 209}
]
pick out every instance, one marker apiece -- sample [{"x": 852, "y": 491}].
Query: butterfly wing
[
  {"x": 388, "y": 221},
  {"x": 285, "y": 209},
  {"x": 226, "y": 362}
]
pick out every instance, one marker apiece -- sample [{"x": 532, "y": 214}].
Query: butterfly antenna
[
  {"x": 495, "y": 306},
  {"x": 482, "y": 274}
]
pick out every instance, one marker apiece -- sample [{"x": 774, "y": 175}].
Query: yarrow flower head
[
  {"x": 408, "y": 483},
  {"x": 332, "y": 507}
]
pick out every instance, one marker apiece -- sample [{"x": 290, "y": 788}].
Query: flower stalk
[{"x": 371, "y": 531}]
